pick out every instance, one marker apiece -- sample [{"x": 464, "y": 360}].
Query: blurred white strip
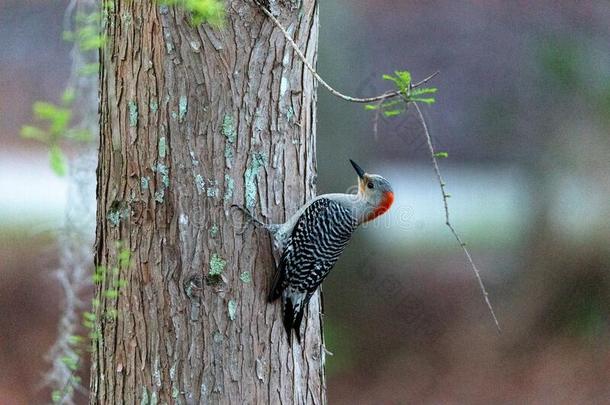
[
  {"x": 30, "y": 193},
  {"x": 489, "y": 205}
]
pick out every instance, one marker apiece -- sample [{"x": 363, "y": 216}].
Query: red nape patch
[{"x": 386, "y": 203}]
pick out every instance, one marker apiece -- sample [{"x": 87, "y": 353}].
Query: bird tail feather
[{"x": 294, "y": 308}]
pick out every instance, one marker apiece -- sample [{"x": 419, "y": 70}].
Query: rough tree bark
[{"x": 192, "y": 121}]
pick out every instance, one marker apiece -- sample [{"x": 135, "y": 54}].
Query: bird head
[{"x": 375, "y": 190}]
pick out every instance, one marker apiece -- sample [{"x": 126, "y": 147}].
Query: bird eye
[{"x": 370, "y": 185}]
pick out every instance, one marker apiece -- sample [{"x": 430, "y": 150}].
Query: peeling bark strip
[{"x": 192, "y": 121}]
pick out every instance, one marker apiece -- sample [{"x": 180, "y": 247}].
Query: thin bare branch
[
  {"x": 457, "y": 237},
  {"x": 424, "y": 81},
  {"x": 381, "y": 97},
  {"x": 376, "y": 119}
]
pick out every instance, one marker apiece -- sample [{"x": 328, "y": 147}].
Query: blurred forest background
[{"x": 523, "y": 110}]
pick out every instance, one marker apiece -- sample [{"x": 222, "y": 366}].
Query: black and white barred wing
[{"x": 318, "y": 239}]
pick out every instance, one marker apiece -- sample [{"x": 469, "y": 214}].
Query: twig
[
  {"x": 378, "y": 100},
  {"x": 424, "y": 81},
  {"x": 442, "y": 184},
  {"x": 381, "y": 97},
  {"x": 376, "y": 119},
  {"x": 251, "y": 218}
]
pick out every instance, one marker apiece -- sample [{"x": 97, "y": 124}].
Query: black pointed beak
[{"x": 357, "y": 168}]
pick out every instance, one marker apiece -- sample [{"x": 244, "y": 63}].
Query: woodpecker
[{"x": 312, "y": 240}]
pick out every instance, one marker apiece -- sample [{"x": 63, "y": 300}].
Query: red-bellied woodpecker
[{"x": 312, "y": 240}]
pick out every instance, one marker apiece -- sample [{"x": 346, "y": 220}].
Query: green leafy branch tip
[
  {"x": 405, "y": 88},
  {"x": 53, "y": 127},
  {"x": 87, "y": 36},
  {"x": 110, "y": 286}
]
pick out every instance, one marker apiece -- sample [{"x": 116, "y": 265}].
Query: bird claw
[{"x": 249, "y": 216}]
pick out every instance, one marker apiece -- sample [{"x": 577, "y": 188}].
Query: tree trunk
[{"x": 192, "y": 121}]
